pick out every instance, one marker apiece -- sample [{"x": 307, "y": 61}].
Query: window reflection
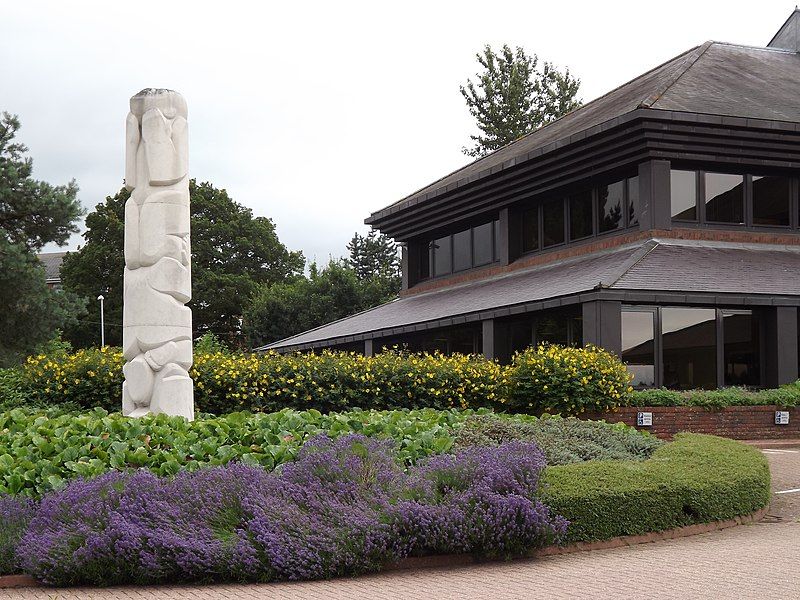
[
  {"x": 580, "y": 215},
  {"x": 633, "y": 201},
  {"x": 724, "y": 198},
  {"x": 742, "y": 348},
  {"x": 638, "y": 346},
  {"x": 689, "y": 345},
  {"x": 553, "y": 223},
  {"x": 771, "y": 201},
  {"x": 683, "y": 195},
  {"x": 610, "y": 199},
  {"x": 530, "y": 229},
  {"x": 442, "y": 262}
]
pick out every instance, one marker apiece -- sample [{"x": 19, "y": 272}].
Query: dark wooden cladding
[{"x": 646, "y": 134}]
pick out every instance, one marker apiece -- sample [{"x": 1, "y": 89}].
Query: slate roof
[
  {"x": 715, "y": 78},
  {"x": 52, "y": 265},
  {"x": 654, "y": 265}
]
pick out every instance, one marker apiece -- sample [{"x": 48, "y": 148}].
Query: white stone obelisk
[{"x": 157, "y": 327}]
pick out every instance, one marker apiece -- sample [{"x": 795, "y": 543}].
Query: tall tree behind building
[
  {"x": 375, "y": 258},
  {"x": 32, "y": 213},
  {"x": 512, "y": 97}
]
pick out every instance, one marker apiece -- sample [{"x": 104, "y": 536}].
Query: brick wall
[{"x": 738, "y": 422}]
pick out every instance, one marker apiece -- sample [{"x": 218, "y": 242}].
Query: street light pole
[{"x": 102, "y": 323}]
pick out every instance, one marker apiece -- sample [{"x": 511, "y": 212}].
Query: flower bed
[{"x": 344, "y": 507}]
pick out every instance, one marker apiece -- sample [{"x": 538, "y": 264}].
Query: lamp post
[{"x": 102, "y": 323}]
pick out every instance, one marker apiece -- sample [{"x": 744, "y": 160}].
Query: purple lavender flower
[
  {"x": 343, "y": 507},
  {"x": 15, "y": 514}
]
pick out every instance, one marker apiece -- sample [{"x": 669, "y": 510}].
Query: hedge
[
  {"x": 695, "y": 479},
  {"x": 786, "y": 396},
  {"x": 547, "y": 378}
]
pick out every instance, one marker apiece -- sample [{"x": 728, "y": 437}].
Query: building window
[
  {"x": 483, "y": 244},
  {"x": 462, "y": 250},
  {"x": 771, "y": 200},
  {"x": 442, "y": 255},
  {"x": 742, "y": 348},
  {"x": 473, "y": 247},
  {"x": 689, "y": 346},
  {"x": 530, "y": 230},
  {"x": 553, "y": 223},
  {"x": 633, "y": 201},
  {"x": 580, "y": 216},
  {"x": 683, "y": 195},
  {"x": 724, "y": 198},
  {"x": 610, "y": 203},
  {"x": 638, "y": 346}
]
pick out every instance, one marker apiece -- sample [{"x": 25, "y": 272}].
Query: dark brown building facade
[{"x": 660, "y": 221}]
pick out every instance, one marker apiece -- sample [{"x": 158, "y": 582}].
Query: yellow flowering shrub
[
  {"x": 556, "y": 379},
  {"x": 226, "y": 382},
  {"x": 548, "y": 378}
]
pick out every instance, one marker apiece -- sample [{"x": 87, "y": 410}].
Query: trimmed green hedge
[
  {"x": 787, "y": 396},
  {"x": 695, "y": 479}
]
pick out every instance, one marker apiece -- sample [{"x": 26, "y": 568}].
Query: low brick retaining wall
[{"x": 737, "y": 422}]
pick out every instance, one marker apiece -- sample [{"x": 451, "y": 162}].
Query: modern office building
[{"x": 660, "y": 221}]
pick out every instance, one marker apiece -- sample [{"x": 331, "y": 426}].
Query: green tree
[
  {"x": 513, "y": 97},
  {"x": 284, "y": 309},
  {"x": 32, "y": 213},
  {"x": 233, "y": 253},
  {"x": 376, "y": 261}
]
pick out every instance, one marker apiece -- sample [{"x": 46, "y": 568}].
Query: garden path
[{"x": 749, "y": 561}]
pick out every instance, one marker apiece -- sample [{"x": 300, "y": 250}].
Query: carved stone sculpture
[{"x": 157, "y": 327}]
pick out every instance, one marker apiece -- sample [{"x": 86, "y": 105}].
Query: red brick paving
[{"x": 757, "y": 561}]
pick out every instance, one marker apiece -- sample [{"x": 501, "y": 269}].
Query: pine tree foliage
[
  {"x": 32, "y": 213},
  {"x": 512, "y": 96}
]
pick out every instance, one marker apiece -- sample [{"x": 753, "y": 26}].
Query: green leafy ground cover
[
  {"x": 787, "y": 396},
  {"x": 40, "y": 449}
]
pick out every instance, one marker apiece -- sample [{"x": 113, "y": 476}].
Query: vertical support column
[
  {"x": 654, "y": 195},
  {"x": 602, "y": 324},
  {"x": 405, "y": 267},
  {"x": 510, "y": 242},
  {"x": 495, "y": 340},
  {"x": 780, "y": 338},
  {"x": 369, "y": 348}
]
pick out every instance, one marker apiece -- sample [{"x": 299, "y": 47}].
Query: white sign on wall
[
  {"x": 644, "y": 419},
  {"x": 781, "y": 417}
]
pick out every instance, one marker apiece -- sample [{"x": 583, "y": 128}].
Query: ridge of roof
[
  {"x": 634, "y": 259},
  {"x": 680, "y": 71},
  {"x": 785, "y": 23}
]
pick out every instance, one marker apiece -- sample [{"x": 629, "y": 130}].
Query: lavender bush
[
  {"x": 343, "y": 507},
  {"x": 15, "y": 514}
]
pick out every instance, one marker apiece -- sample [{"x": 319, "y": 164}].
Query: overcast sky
[{"x": 314, "y": 113}]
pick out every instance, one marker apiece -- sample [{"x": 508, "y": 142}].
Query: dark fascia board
[
  {"x": 639, "y": 297},
  {"x": 654, "y": 115}
]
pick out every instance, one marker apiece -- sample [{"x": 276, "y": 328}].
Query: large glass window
[
  {"x": 610, "y": 202},
  {"x": 683, "y": 194},
  {"x": 742, "y": 348},
  {"x": 633, "y": 201},
  {"x": 483, "y": 250},
  {"x": 462, "y": 250},
  {"x": 553, "y": 223},
  {"x": 552, "y": 330},
  {"x": 580, "y": 215},
  {"x": 638, "y": 346},
  {"x": 771, "y": 201},
  {"x": 724, "y": 198},
  {"x": 424, "y": 260},
  {"x": 442, "y": 256},
  {"x": 689, "y": 345},
  {"x": 530, "y": 229},
  {"x": 465, "y": 249}
]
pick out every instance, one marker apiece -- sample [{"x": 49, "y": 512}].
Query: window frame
[
  {"x": 431, "y": 244},
  {"x": 720, "y": 313}
]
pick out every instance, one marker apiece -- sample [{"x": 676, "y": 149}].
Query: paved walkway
[{"x": 757, "y": 561}]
